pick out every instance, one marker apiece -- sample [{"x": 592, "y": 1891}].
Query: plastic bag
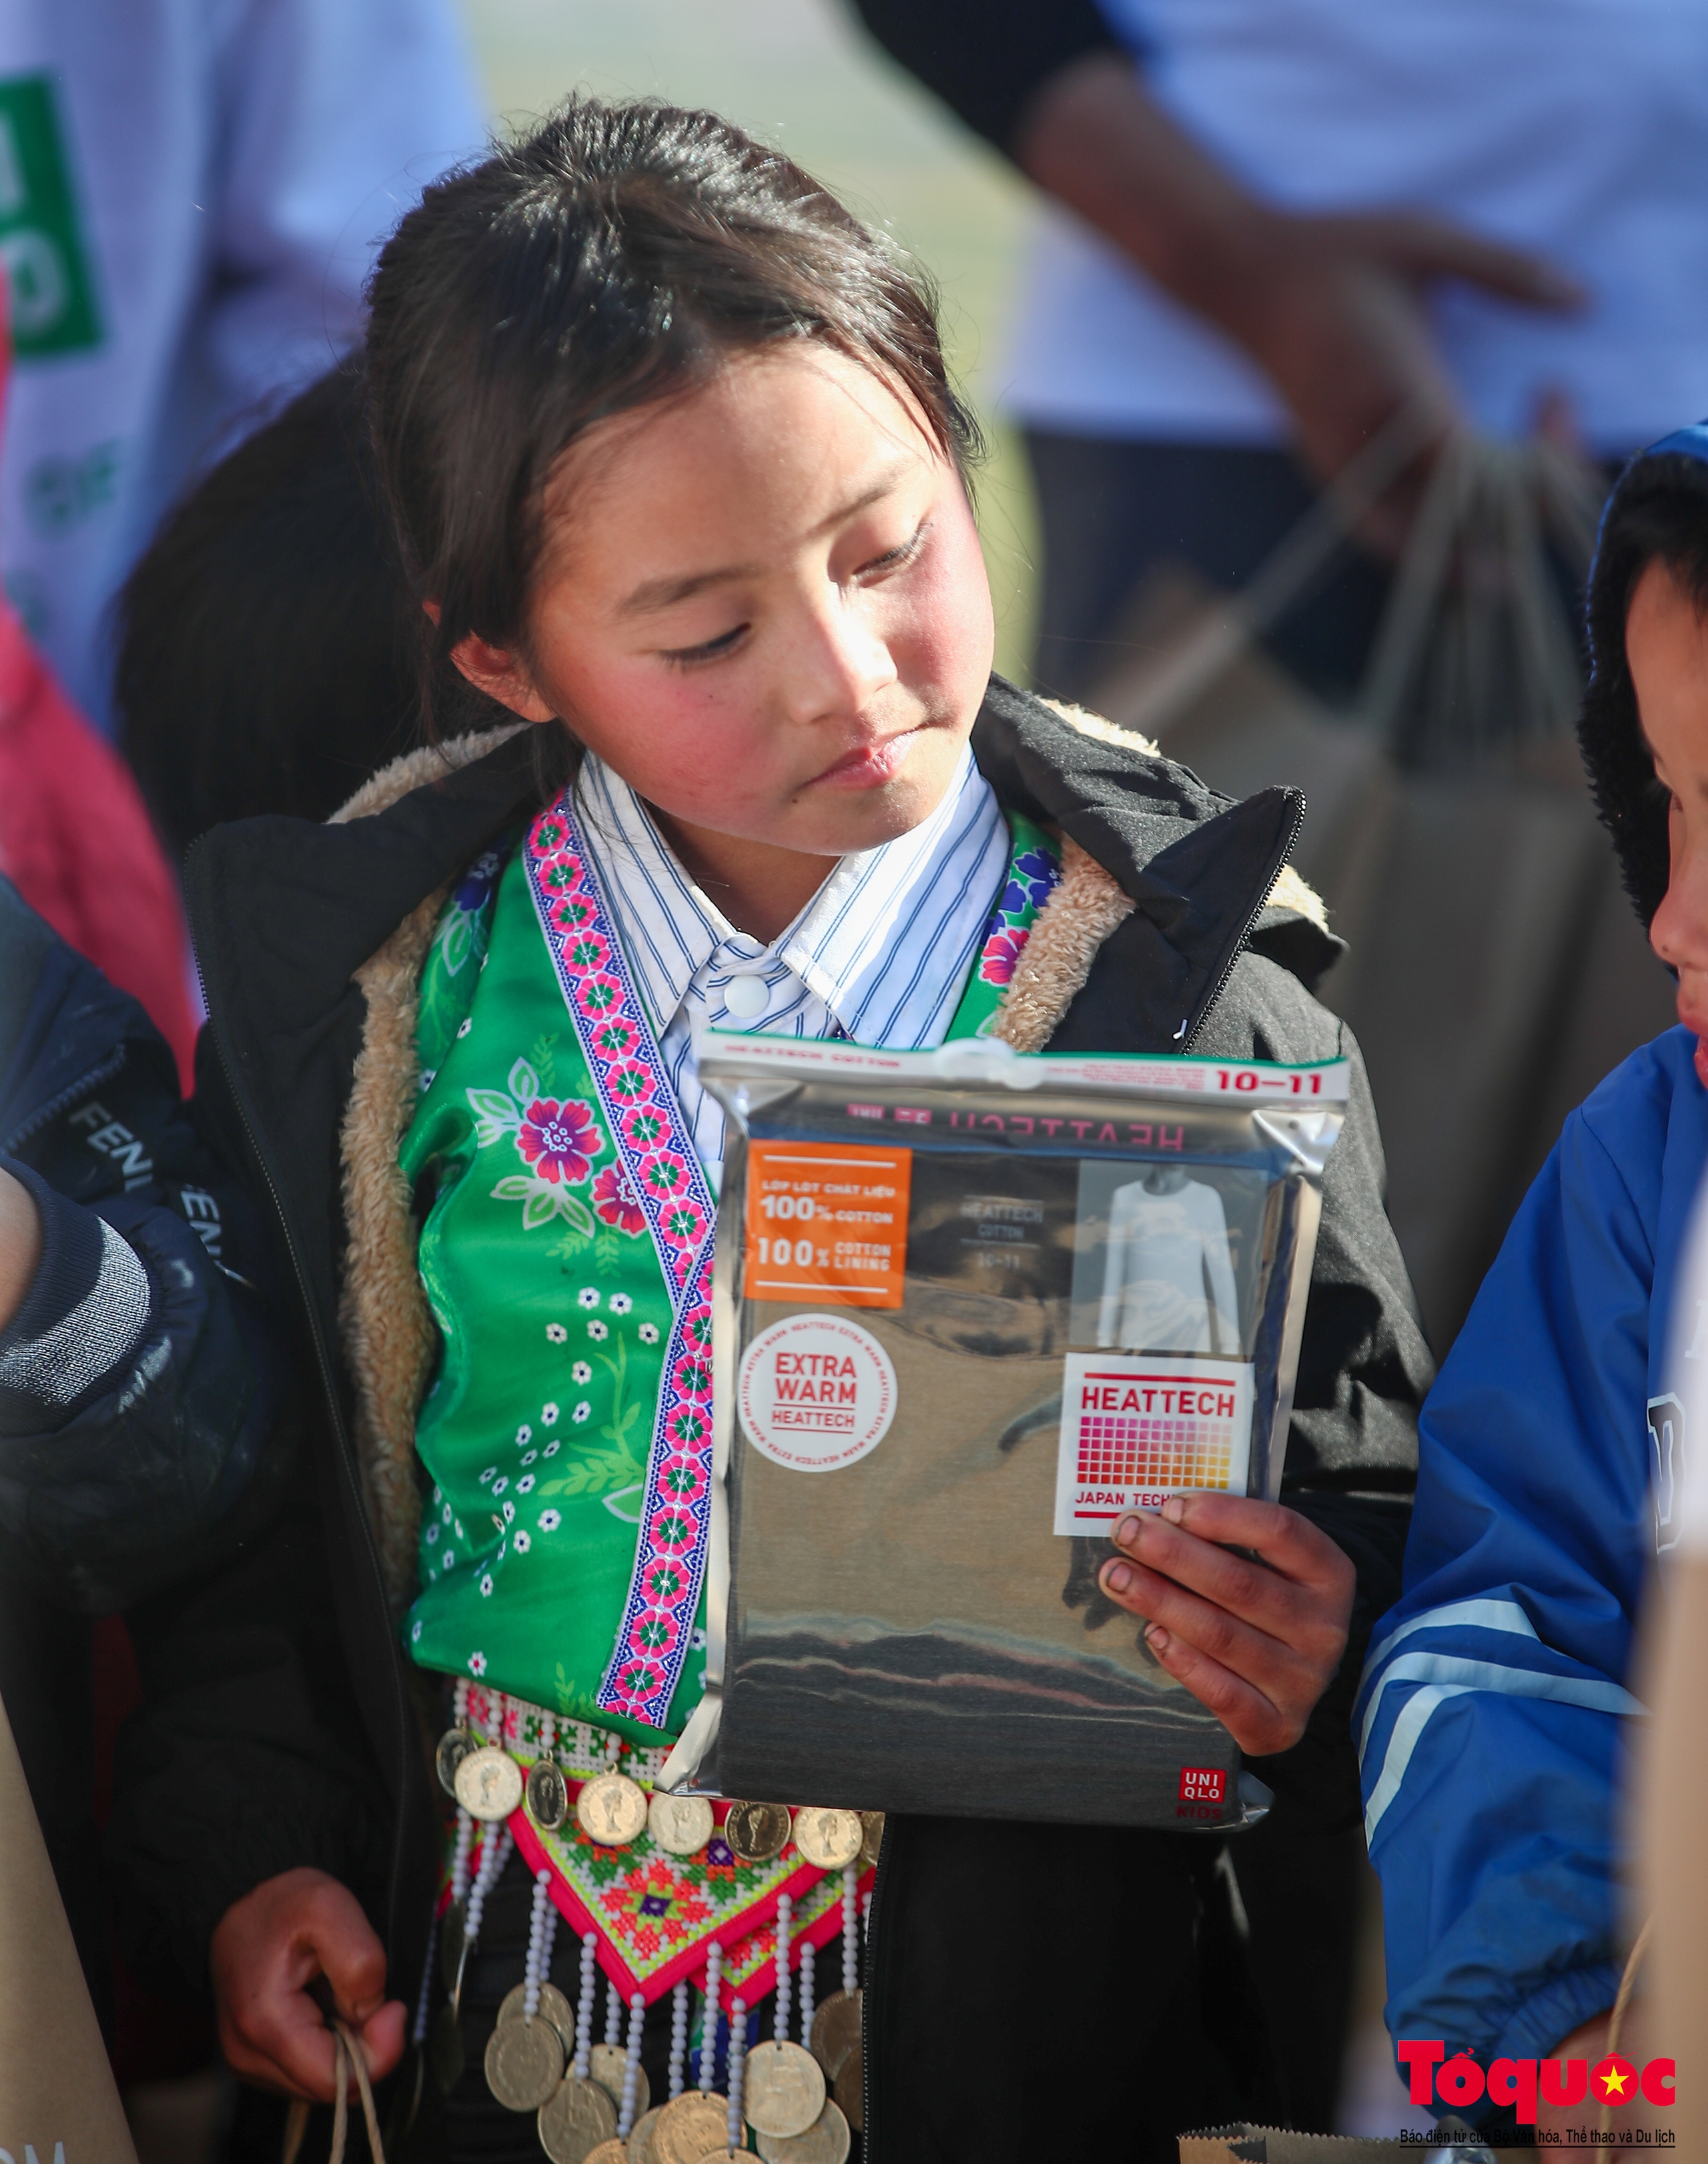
[{"x": 970, "y": 1305}]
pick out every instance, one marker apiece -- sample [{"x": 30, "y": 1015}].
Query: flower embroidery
[
  {"x": 621, "y": 1303},
  {"x": 1001, "y": 955},
  {"x": 491, "y": 1473},
  {"x": 549, "y": 836},
  {"x": 500, "y": 1483},
  {"x": 588, "y": 950},
  {"x": 692, "y": 1376},
  {"x": 682, "y": 1479},
  {"x": 549, "y": 1521},
  {"x": 571, "y": 913},
  {"x": 598, "y": 996},
  {"x": 588, "y": 1296},
  {"x": 486, "y": 1584},
  {"x": 524, "y": 1486},
  {"x": 559, "y": 1140},
  {"x": 663, "y": 1583},
  {"x": 581, "y": 1412},
  {"x": 580, "y": 1373},
  {"x": 548, "y": 1414},
  {"x": 647, "y": 1333},
  {"x": 628, "y": 1083},
  {"x": 598, "y": 1331},
  {"x": 477, "y": 1664},
  {"x": 646, "y": 1126},
  {"x": 551, "y": 1450},
  {"x": 523, "y": 1434},
  {"x": 431, "y": 1535},
  {"x": 615, "y": 1038},
  {"x": 522, "y": 1541},
  {"x": 617, "y": 1204},
  {"x": 556, "y": 1334},
  {"x": 664, "y": 1174},
  {"x": 697, "y": 1330},
  {"x": 528, "y": 1457},
  {"x": 683, "y": 1224}
]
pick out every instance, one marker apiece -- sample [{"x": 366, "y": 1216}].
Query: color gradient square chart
[{"x": 1136, "y": 1430}]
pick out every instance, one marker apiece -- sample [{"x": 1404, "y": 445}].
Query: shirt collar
[{"x": 841, "y": 944}]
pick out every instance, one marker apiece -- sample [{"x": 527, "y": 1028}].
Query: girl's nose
[
  {"x": 838, "y": 664},
  {"x": 1679, "y": 931}
]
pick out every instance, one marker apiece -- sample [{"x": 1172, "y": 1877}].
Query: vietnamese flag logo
[{"x": 1614, "y": 2081}]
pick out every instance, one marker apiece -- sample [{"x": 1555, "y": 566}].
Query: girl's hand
[
  {"x": 1259, "y": 1646},
  {"x": 267, "y": 1950}
]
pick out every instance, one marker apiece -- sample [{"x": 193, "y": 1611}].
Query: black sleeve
[
  {"x": 248, "y": 1757},
  {"x": 1365, "y": 1367},
  {"x": 986, "y": 62},
  {"x": 141, "y": 1382}
]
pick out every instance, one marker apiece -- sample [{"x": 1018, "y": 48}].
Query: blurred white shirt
[
  {"x": 191, "y": 193},
  {"x": 1576, "y": 129}
]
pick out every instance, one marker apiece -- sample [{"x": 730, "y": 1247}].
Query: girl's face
[
  {"x": 1666, "y": 646},
  {"x": 765, "y": 605}
]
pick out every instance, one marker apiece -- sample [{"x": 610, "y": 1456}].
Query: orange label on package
[{"x": 827, "y": 1221}]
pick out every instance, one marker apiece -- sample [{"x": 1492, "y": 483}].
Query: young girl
[{"x": 677, "y": 474}]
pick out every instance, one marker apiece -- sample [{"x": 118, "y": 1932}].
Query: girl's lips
[{"x": 868, "y": 766}]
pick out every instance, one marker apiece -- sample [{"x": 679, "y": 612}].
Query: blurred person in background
[
  {"x": 190, "y": 197},
  {"x": 225, "y": 709},
  {"x": 1551, "y": 1452},
  {"x": 1275, "y": 223}
]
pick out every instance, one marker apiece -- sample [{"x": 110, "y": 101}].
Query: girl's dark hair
[
  {"x": 615, "y": 258},
  {"x": 1658, "y": 512},
  {"x": 266, "y": 647}
]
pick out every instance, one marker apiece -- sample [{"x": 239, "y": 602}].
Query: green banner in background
[{"x": 42, "y": 244}]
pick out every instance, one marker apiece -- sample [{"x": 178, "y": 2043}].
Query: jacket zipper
[
  {"x": 44, "y": 1115},
  {"x": 869, "y": 2142},
  {"x": 1227, "y": 969},
  {"x": 341, "y": 1434}
]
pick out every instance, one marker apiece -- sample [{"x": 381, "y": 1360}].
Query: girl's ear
[{"x": 501, "y": 676}]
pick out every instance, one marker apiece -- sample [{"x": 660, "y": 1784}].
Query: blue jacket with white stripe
[{"x": 1489, "y": 1717}]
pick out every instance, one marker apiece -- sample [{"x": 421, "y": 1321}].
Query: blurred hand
[
  {"x": 1258, "y": 1645},
  {"x": 1330, "y": 308},
  {"x": 20, "y": 1245},
  {"x": 267, "y": 1950}
]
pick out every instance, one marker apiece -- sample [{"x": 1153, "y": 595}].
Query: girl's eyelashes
[
  {"x": 686, "y": 657},
  {"x": 714, "y": 649},
  {"x": 892, "y": 560}
]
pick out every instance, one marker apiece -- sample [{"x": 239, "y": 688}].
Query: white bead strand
[
  {"x": 460, "y": 1703},
  {"x": 809, "y": 1985},
  {"x": 613, "y": 2016},
  {"x": 679, "y": 2039},
  {"x": 495, "y": 1852},
  {"x": 631, "y": 2067},
  {"x": 534, "y": 1970},
  {"x": 709, "y": 2027},
  {"x": 785, "y": 1917},
  {"x": 850, "y": 1934},
  {"x": 584, "y": 2008},
  {"x": 459, "y": 1856},
  {"x": 738, "y": 2069}
]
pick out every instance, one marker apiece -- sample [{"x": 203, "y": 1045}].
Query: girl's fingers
[
  {"x": 1267, "y": 1663},
  {"x": 1257, "y": 1725},
  {"x": 1308, "y": 1615}
]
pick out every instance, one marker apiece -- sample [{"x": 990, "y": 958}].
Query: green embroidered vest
[{"x": 565, "y": 1251}]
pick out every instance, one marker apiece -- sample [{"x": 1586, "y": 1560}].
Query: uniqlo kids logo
[{"x": 1203, "y": 1784}]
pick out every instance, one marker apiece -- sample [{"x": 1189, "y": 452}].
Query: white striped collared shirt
[{"x": 880, "y": 954}]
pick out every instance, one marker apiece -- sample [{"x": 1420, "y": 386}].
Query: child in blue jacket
[{"x": 1490, "y": 1720}]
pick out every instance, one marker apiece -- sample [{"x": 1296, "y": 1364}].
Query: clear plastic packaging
[{"x": 971, "y": 1305}]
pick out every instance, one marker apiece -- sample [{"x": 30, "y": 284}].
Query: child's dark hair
[
  {"x": 266, "y": 645},
  {"x": 616, "y": 257},
  {"x": 1658, "y": 512}
]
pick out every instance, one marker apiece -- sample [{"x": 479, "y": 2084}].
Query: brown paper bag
[{"x": 58, "y": 2101}]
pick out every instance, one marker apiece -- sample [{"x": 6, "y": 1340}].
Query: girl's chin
[{"x": 1702, "y": 1061}]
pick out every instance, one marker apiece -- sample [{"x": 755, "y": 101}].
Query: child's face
[
  {"x": 765, "y": 605},
  {"x": 1666, "y": 645}
]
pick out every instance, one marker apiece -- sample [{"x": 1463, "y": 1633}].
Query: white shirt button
[{"x": 745, "y": 997}]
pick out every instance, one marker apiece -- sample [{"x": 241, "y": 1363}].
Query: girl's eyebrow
[{"x": 655, "y": 594}]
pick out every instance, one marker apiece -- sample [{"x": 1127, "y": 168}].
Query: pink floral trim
[{"x": 656, "y": 1186}]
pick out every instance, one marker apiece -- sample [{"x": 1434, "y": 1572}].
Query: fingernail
[
  {"x": 1174, "y": 1510},
  {"x": 1157, "y": 1638},
  {"x": 1120, "y": 1577},
  {"x": 1126, "y": 1532}
]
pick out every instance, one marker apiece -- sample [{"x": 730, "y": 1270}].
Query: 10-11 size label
[{"x": 1136, "y": 1431}]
